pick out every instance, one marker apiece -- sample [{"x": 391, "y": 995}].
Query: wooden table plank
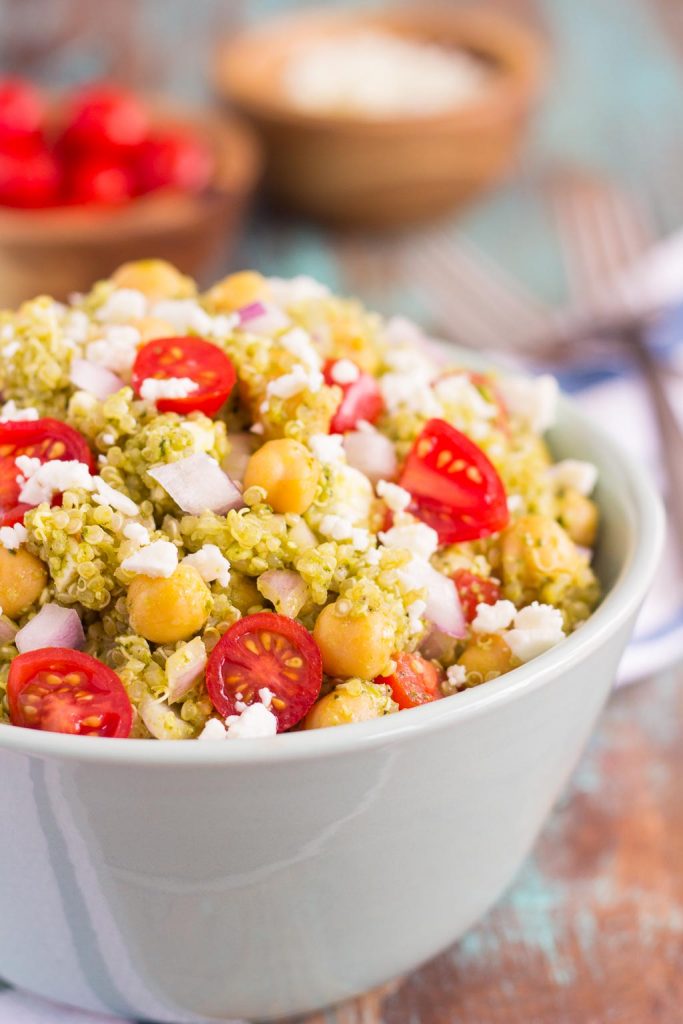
[{"x": 592, "y": 932}]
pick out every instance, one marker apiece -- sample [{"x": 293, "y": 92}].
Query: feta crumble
[
  {"x": 184, "y": 315},
  {"x": 158, "y": 560},
  {"x": 153, "y": 388},
  {"x": 136, "y": 532},
  {"x": 293, "y": 383},
  {"x": 116, "y": 350},
  {"x": 40, "y": 480},
  {"x": 395, "y": 498},
  {"x": 536, "y": 629},
  {"x": 210, "y": 563},
  {"x": 344, "y": 371},
  {"x": 327, "y": 448},
  {"x": 295, "y": 290},
  {"x": 533, "y": 400},
  {"x": 418, "y": 538},
  {"x": 575, "y": 474},
  {"x": 255, "y": 722},
  {"x": 10, "y": 411},
  {"x": 492, "y": 618},
  {"x": 123, "y": 305},
  {"x": 11, "y": 537},
  {"x": 456, "y": 675},
  {"x": 298, "y": 342}
]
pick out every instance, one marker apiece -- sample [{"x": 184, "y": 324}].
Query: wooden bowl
[
  {"x": 65, "y": 249},
  {"x": 359, "y": 171}
]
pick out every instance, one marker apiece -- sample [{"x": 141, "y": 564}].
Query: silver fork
[{"x": 602, "y": 234}]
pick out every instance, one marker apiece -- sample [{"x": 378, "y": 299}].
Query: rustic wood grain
[{"x": 592, "y": 932}]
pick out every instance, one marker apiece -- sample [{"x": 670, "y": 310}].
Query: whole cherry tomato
[
  {"x": 105, "y": 118},
  {"x": 174, "y": 159},
  {"x": 99, "y": 179},
  {"x": 21, "y": 112},
  {"x": 30, "y": 178}
]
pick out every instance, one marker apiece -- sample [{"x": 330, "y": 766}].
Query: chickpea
[
  {"x": 237, "y": 290},
  {"x": 353, "y": 701},
  {"x": 486, "y": 657},
  {"x": 166, "y": 610},
  {"x": 151, "y": 327},
  {"x": 287, "y": 472},
  {"x": 534, "y": 548},
  {"x": 579, "y": 516},
  {"x": 22, "y": 580},
  {"x": 353, "y": 646},
  {"x": 157, "y": 279}
]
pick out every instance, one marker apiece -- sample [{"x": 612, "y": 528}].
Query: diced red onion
[
  {"x": 53, "y": 626},
  {"x": 198, "y": 484},
  {"x": 181, "y": 680},
  {"x": 443, "y": 604},
  {"x": 8, "y": 630},
  {"x": 437, "y": 645},
  {"x": 285, "y": 589},
  {"x": 242, "y": 447},
  {"x": 372, "y": 453},
  {"x": 263, "y": 318},
  {"x": 97, "y": 380}
]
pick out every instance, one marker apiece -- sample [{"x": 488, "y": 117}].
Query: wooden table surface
[{"x": 592, "y": 931}]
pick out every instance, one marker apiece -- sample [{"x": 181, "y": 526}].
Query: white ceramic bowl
[{"x": 262, "y": 878}]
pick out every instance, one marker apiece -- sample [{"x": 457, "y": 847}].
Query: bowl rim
[
  {"x": 622, "y": 601},
  {"x": 519, "y": 83}
]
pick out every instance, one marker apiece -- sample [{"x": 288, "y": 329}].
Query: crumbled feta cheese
[
  {"x": 456, "y": 675},
  {"x": 536, "y": 629},
  {"x": 292, "y": 383},
  {"x": 158, "y": 559},
  {"x": 10, "y": 411},
  {"x": 395, "y": 498},
  {"x": 574, "y": 474},
  {"x": 492, "y": 618},
  {"x": 327, "y": 448},
  {"x": 298, "y": 342},
  {"x": 11, "y": 349},
  {"x": 515, "y": 503},
  {"x": 153, "y": 388},
  {"x": 136, "y": 532},
  {"x": 108, "y": 439},
  {"x": 415, "y": 612},
  {"x": 265, "y": 696},
  {"x": 210, "y": 563},
  {"x": 11, "y": 537},
  {"x": 457, "y": 391},
  {"x": 532, "y": 399},
  {"x": 184, "y": 315},
  {"x": 336, "y": 527},
  {"x": 122, "y": 305},
  {"x": 344, "y": 371},
  {"x": 292, "y": 291},
  {"x": 352, "y": 495},
  {"x": 360, "y": 538},
  {"x": 106, "y": 495},
  {"x": 77, "y": 326},
  {"x": 410, "y": 391},
  {"x": 213, "y": 730},
  {"x": 116, "y": 350},
  {"x": 254, "y": 722},
  {"x": 39, "y": 482},
  {"x": 203, "y": 437},
  {"x": 417, "y": 538}
]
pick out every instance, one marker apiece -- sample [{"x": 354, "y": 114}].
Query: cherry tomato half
[
  {"x": 266, "y": 650},
  {"x": 415, "y": 681},
  {"x": 29, "y": 179},
  {"x": 42, "y": 439},
  {"x": 361, "y": 399},
  {"x": 21, "y": 111},
  {"x": 14, "y": 515},
  {"x": 174, "y": 159},
  {"x": 60, "y": 690},
  {"x": 474, "y": 590},
  {"x": 195, "y": 358},
  {"x": 104, "y": 118},
  {"x": 455, "y": 487}
]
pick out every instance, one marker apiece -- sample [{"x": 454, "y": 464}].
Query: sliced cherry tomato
[
  {"x": 361, "y": 399},
  {"x": 266, "y": 650},
  {"x": 99, "y": 179},
  {"x": 474, "y": 590},
  {"x": 174, "y": 159},
  {"x": 455, "y": 487},
  {"x": 29, "y": 179},
  {"x": 14, "y": 515},
  {"x": 415, "y": 681},
  {"x": 21, "y": 111},
  {"x": 42, "y": 439},
  {"x": 60, "y": 690},
  {"x": 195, "y": 358},
  {"x": 104, "y": 118}
]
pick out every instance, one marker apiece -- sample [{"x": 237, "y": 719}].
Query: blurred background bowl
[
  {"x": 64, "y": 249},
  {"x": 355, "y": 170}
]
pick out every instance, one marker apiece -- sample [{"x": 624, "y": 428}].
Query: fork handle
[{"x": 669, "y": 429}]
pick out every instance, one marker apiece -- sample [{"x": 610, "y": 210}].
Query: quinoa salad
[{"x": 264, "y": 508}]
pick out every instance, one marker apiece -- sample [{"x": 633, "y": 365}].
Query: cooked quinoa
[{"x": 327, "y": 523}]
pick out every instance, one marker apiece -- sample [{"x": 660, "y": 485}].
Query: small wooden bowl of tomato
[{"x": 101, "y": 176}]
